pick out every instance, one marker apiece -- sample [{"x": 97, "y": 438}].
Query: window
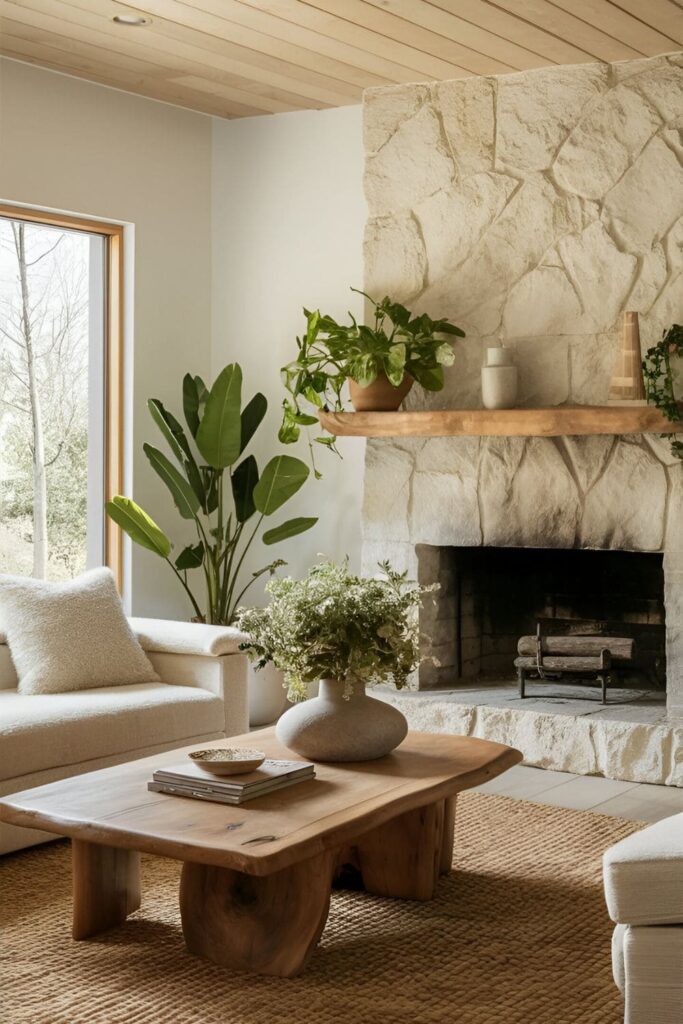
[{"x": 60, "y": 401}]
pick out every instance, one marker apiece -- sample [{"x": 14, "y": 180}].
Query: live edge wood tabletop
[{"x": 256, "y": 880}]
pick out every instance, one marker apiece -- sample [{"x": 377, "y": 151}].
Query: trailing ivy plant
[
  {"x": 329, "y": 353},
  {"x": 226, "y": 499},
  {"x": 660, "y": 378}
]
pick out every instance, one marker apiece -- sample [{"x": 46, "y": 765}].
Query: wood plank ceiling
[{"x": 236, "y": 58}]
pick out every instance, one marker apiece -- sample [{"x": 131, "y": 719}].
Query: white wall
[
  {"x": 75, "y": 146},
  {"x": 274, "y": 223},
  {"x": 288, "y": 220}
]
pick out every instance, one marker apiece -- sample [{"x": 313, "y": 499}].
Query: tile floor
[{"x": 634, "y": 800}]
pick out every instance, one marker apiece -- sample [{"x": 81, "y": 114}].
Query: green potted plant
[
  {"x": 346, "y": 631},
  {"x": 380, "y": 362},
  {"x": 660, "y": 378},
  {"x": 218, "y": 489}
]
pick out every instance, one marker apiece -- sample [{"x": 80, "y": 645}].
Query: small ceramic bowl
[{"x": 228, "y": 760}]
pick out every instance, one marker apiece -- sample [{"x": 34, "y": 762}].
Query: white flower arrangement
[{"x": 335, "y": 625}]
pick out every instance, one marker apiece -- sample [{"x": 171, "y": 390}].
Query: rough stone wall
[{"x": 531, "y": 208}]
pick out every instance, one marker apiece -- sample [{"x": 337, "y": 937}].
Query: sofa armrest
[
  {"x": 643, "y": 875},
  {"x": 167, "y": 636}
]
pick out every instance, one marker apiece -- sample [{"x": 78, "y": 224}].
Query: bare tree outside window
[{"x": 44, "y": 344}]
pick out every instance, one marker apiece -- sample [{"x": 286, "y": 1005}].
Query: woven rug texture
[{"x": 517, "y": 934}]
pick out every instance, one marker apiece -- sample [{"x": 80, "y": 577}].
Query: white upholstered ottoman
[{"x": 643, "y": 877}]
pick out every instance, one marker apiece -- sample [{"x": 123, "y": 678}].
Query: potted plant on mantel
[
  {"x": 345, "y": 631},
  {"x": 381, "y": 363}
]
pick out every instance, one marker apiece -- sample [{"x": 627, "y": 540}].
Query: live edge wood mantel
[{"x": 557, "y": 421}]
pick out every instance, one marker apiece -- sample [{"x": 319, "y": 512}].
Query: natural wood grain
[
  {"x": 447, "y": 48},
  {"x": 664, "y": 15},
  {"x": 341, "y": 24},
  {"x": 193, "y": 52},
  {"x": 617, "y": 23},
  {"x": 621, "y": 648},
  {"x": 267, "y": 925},
  {"x": 282, "y": 35},
  {"x": 113, "y": 806},
  {"x": 106, "y": 887},
  {"x": 402, "y": 858},
  {"x": 571, "y": 27},
  {"x": 212, "y": 55},
  {"x": 564, "y": 663},
  {"x": 446, "y": 857},
  {"x": 509, "y": 27},
  {"x": 446, "y": 22},
  {"x": 212, "y": 71},
  {"x": 558, "y": 421},
  {"x": 92, "y": 70}
]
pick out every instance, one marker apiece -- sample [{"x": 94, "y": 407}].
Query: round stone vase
[{"x": 334, "y": 727}]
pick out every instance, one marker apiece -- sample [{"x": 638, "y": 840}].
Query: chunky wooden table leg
[
  {"x": 106, "y": 886},
  {"x": 268, "y": 924},
  {"x": 446, "y": 860},
  {"x": 403, "y": 857}
]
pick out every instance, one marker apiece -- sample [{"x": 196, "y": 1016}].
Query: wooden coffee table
[{"x": 256, "y": 879}]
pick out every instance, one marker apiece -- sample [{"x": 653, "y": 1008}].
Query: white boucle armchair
[
  {"x": 203, "y": 695},
  {"x": 643, "y": 877}
]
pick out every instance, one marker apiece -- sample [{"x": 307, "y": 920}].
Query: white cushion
[
  {"x": 618, "y": 969},
  {"x": 165, "y": 635},
  {"x": 41, "y": 731},
  {"x": 70, "y": 636},
  {"x": 644, "y": 875},
  {"x": 653, "y": 975}
]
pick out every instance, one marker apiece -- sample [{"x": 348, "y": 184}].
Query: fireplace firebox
[{"x": 491, "y": 596}]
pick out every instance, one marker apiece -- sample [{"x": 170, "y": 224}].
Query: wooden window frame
[{"x": 113, "y": 235}]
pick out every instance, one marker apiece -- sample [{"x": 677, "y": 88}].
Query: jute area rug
[{"x": 517, "y": 934}]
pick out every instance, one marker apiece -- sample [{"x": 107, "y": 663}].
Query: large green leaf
[
  {"x": 252, "y": 414},
  {"x": 140, "y": 527},
  {"x": 219, "y": 436},
  {"x": 363, "y": 369},
  {"x": 170, "y": 428},
  {"x": 431, "y": 378},
  {"x": 195, "y": 480},
  {"x": 191, "y": 403},
  {"x": 190, "y": 557},
  {"x": 244, "y": 480},
  {"x": 289, "y": 529},
  {"x": 282, "y": 477},
  {"x": 185, "y": 499},
  {"x": 394, "y": 364},
  {"x": 443, "y": 327}
]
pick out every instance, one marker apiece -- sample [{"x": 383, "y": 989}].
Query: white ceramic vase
[
  {"x": 499, "y": 379},
  {"x": 267, "y": 694},
  {"x": 334, "y": 727}
]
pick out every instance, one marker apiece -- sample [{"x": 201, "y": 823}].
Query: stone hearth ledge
[{"x": 584, "y": 745}]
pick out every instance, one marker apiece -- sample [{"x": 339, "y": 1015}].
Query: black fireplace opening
[{"x": 489, "y": 597}]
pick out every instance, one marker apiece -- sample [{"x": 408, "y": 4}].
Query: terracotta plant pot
[{"x": 380, "y": 396}]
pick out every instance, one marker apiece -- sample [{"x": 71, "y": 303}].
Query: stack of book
[{"x": 191, "y": 780}]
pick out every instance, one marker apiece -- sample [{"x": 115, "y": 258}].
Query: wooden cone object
[{"x": 627, "y": 386}]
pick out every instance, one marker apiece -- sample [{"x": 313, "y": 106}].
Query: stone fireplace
[{"x": 533, "y": 209}]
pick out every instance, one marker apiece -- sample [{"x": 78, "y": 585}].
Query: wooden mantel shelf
[{"x": 561, "y": 420}]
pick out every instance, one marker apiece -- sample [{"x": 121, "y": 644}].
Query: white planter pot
[
  {"x": 267, "y": 695},
  {"x": 332, "y": 727}
]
